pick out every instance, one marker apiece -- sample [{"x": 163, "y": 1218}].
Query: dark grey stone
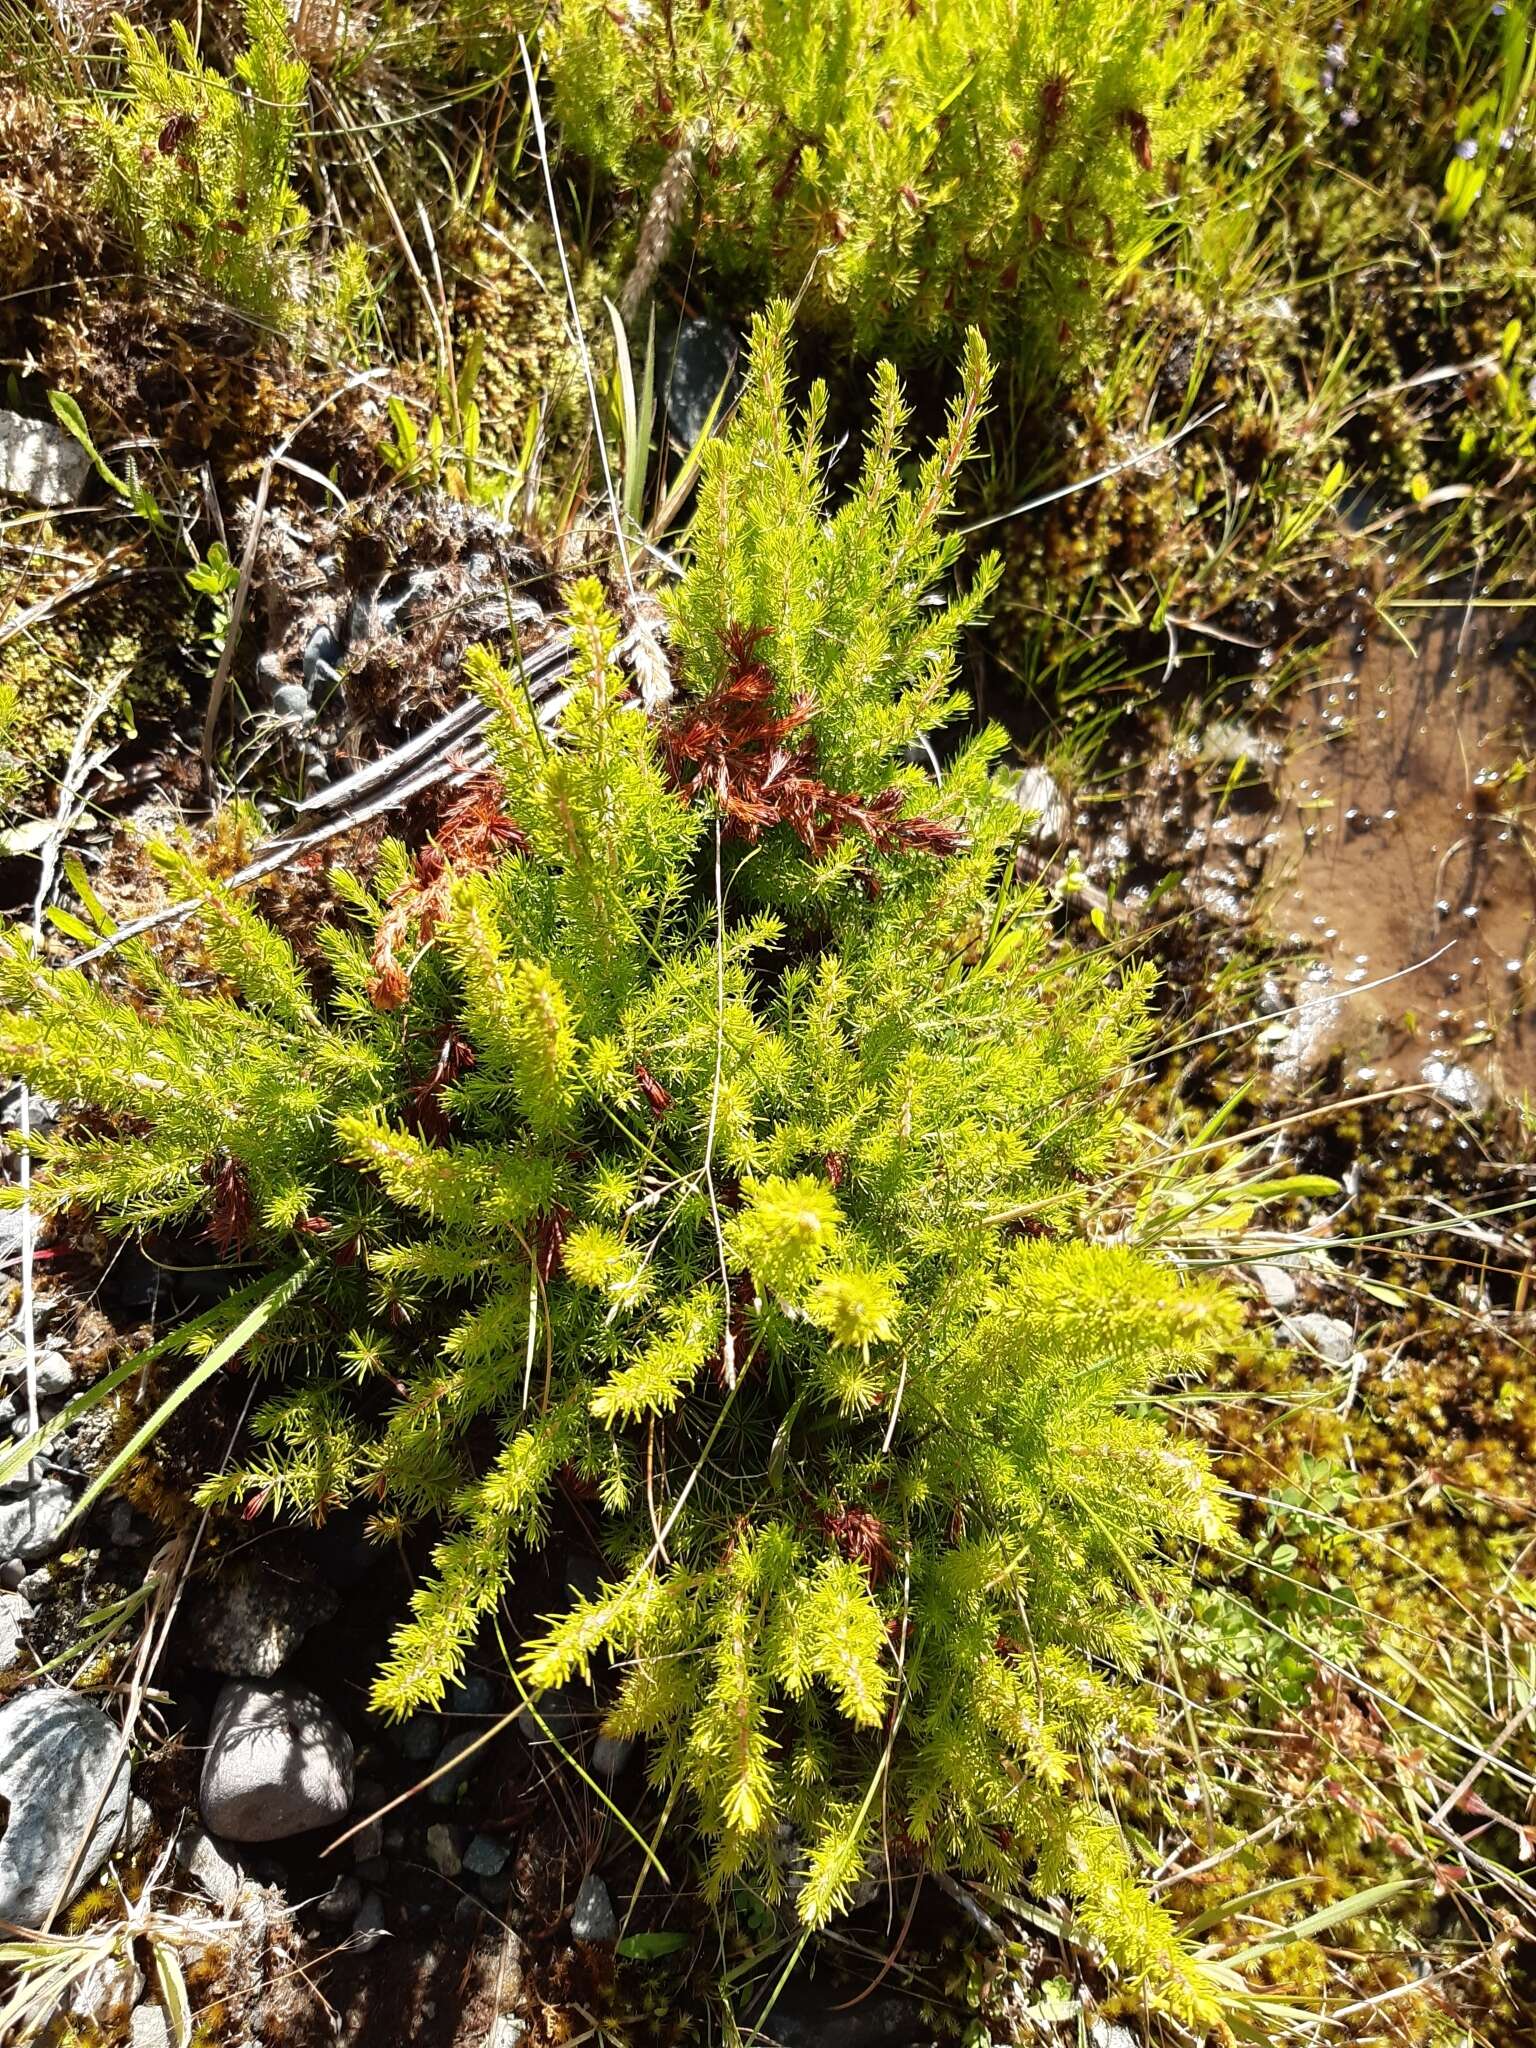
[
  {"x": 278, "y": 1763},
  {"x": 445, "y": 1790},
  {"x": 803, "y": 2018},
  {"x": 420, "y": 1738},
  {"x": 474, "y": 1694},
  {"x": 610, "y": 1755},
  {"x": 486, "y": 1857},
  {"x": 592, "y": 1916},
  {"x": 370, "y": 1927},
  {"x": 342, "y": 1902},
  {"x": 703, "y": 359},
  {"x": 59, "y": 1757}
]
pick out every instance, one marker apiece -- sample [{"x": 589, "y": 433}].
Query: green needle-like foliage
[
  {"x": 908, "y": 168},
  {"x": 706, "y": 1121},
  {"x": 197, "y": 167}
]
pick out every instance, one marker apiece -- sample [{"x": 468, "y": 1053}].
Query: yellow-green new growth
[{"x": 709, "y": 1226}]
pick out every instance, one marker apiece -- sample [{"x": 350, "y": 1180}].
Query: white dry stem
[{"x": 570, "y": 293}]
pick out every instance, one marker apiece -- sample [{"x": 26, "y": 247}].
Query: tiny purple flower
[
  {"x": 1507, "y": 139},
  {"x": 1466, "y": 149},
  {"x": 1326, "y": 78},
  {"x": 1349, "y": 117},
  {"x": 1337, "y": 54}
]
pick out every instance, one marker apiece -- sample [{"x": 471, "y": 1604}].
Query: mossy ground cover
[{"x": 1260, "y": 285}]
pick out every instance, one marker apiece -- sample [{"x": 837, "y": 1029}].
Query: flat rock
[
  {"x": 1326, "y": 1335},
  {"x": 279, "y": 1763},
  {"x": 58, "y": 1756},
  {"x": 249, "y": 1622},
  {"x": 32, "y": 1522},
  {"x": 40, "y": 462}
]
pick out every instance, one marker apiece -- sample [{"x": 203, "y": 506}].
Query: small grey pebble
[
  {"x": 467, "y": 1911},
  {"x": 34, "y": 1585},
  {"x": 55, "y": 1376},
  {"x": 592, "y": 1916},
  {"x": 486, "y": 1857},
  {"x": 342, "y": 1902},
  {"x": 211, "y": 1864},
  {"x": 445, "y": 1790},
  {"x": 370, "y": 1927},
  {"x": 394, "y": 1840},
  {"x": 1332, "y": 1339},
  {"x": 496, "y": 1891},
  {"x": 420, "y": 1737},
  {"x": 12, "y": 1572},
  {"x": 1277, "y": 1284},
  {"x": 443, "y": 1849},
  {"x": 368, "y": 1841},
  {"x": 610, "y": 1754},
  {"x": 291, "y": 700},
  {"x": 322, "y": 650},
  {"x": 474, "y": 1694}
]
